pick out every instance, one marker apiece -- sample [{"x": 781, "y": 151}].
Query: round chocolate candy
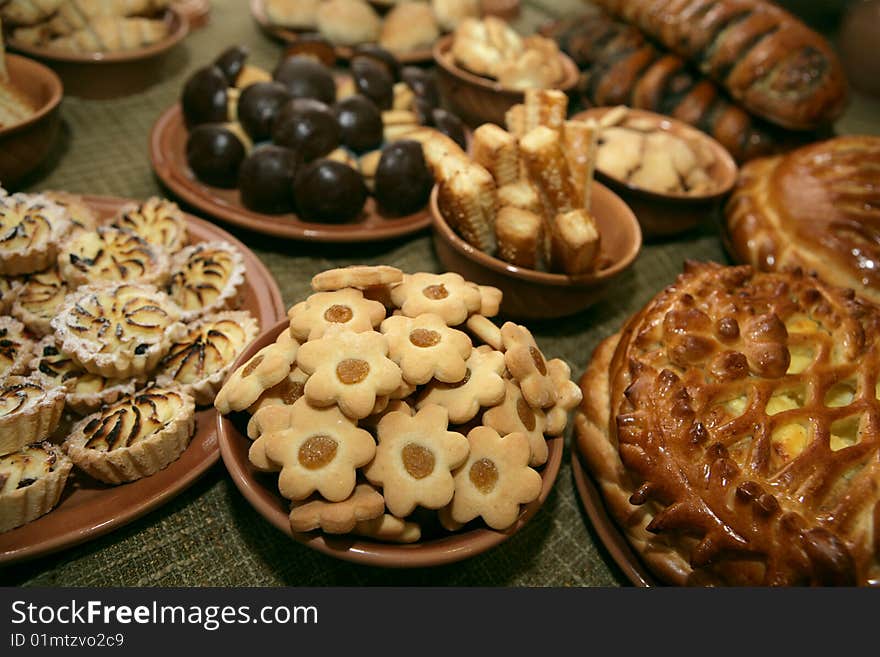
[
  {"x": 424, "y": 111},
  {"x": 215, "y": 153},
  {"x": 379, "y": 55},
  {"x": 307, "y": 126},
  {"x": 373, "y": 81},
  {"x": 266, "y": 177},
  {"x": 205, "y": 97},
  {"x": 231, "y": 61},
  {"x": 403, "y": 182},
  {"x": 329, "y": 191},
  {"x": 422, "y": 84},
  {"x": 450, "y": 125},
  {"x": 360, "y": 122},
  {"x": 258, "y": 105},
  {"x": 305, "y": 77}
]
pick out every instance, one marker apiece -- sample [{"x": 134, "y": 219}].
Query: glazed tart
[
  {"x": 31, "y": 483},
  {"x": 134, "y": 437},
  {"x": 86, "y": 392},
  {"x": 119, "y": 330},
  {"x": 38, "y": 299},
  {"x": 81, "y": 216},
  {"x": 31, "y": 228},
  {"x": 16, "y": 348},
  {"x": 206, "y": 278},
  {"x": 29, "y": 412},
  {"x": 158, "y": 221},
  {"x": 200, "y": 361},
  {"x": 111, "y": 254}
]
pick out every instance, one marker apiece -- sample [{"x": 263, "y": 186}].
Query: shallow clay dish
[
  {"x": 286, "y": 35},
  {"x": 477, "y": 99},
  {"x": 24, "y": 146},
  {"x": 110, "y": 75},
  {"x": 168, "y": 155},
  {"x": 89, "y": 508},
  {"x": 531, "y": 294},
  {"x": 261, "y": 491},
  {"x": 662, "y": 215}
]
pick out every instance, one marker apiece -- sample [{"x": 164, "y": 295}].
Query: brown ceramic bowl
[
  {"x": 531, "y": 294},
  {"x": 477, "y": 99},
  {"x": 662, "y": 215},
  {"x": 111, "y": 75},
  {"x": 197, "y": 12},
  {"x": 25, "y": 145},
  {"x": 438, "y": 548}
]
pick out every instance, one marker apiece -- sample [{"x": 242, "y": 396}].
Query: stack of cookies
[{"x": 392, "y": 398}]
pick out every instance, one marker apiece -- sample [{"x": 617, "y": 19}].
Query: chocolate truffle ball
[
  {"x": 379, "y": 55},
  {"x": 305, "y": 77},
  {"x": 450, "y": 125},
  {"x": 231, "y": 61},
  {"x": 258, "y": 105},
  {"x": 373, "y": 81},
  {"x": 422, "y": 84},
  {"x": 329, "y": 191},
  {"x": 215, "y": 153},
  {"x": 205, "y": 97},
  {"x": 266, "y": 177},
  {"x": 403, "y": 182},
  {"x": 307, "y": 126},
  {"x": 360, "y": 123}
]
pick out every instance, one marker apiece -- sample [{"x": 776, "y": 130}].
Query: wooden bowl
[
  {"x": 662, "y": 215},
  {"x": 101, "y": 75},
  {"x": 477, "y": 99},
  {"x": 261, "y": 490},
  {"x": 531, "y": 294},
  {"x": 25, "y": 145}
]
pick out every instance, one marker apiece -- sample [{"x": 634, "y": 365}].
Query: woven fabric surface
[{"x": 209, "y": 535}]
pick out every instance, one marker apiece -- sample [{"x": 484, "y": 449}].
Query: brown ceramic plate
[
  {"x": 168, "y": 155},
  {"x": 609, "y": 533},
  {"x": 261, "y": 491},
  {"x": 286, "y": 35},
  {"x": 89, "y": 508},
  {"x": 107, "y": 75}
]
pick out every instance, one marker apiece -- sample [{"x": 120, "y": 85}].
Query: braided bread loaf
[{"x": 768, "y": 60}]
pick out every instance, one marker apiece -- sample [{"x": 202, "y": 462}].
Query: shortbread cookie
[
  {"x": 482, "y": 386},
  {"x": 206, "y": 278},
  {"x": 293, "y": 14},
  {"x": 426, "y": 348},
  {"x": 389, "y": 528},
  {"x": 31, "y": 483},
  {"x": 111, "y": 255},
  {"x": 527, "y": 365},
  {"x": 361, "y": 277},
  {"x": 414, "y": 459},
  {"x": 348, "y": 22},
  {"x": 285, "y": 393},
  {"x": 365, "y": 503},
  {"x": 321, "y": 451},
  {"x": 118, "y": 330},
  {"x": 29, "y": 412},
  {"x": 495, "y": 479},
  {"x": 265, "y": 369},
  {"x": 447, "y": 295},
  {"x": 394, "y": 406},
  {"x": 134, "y": 437},
  {"x": 350, "y": 369},
  {"x": 515, "y": 415},
  {"x": 38, "y": 298},
  {"x": 16, "y": 348},
  {"x": 490, "y": 300},
  {"x": 486, "y": 330},
  {"x": 263, "y": 423},
  {"x": 33, "y": 228},
  {"x": 567, "y": 393},
  {"x": 158, "y": 221},
  {"x": 345, "y": 308},
  {"x": 199, "y": 361}
]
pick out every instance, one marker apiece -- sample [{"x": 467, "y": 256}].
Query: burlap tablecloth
[{"x": 209, "y": 535}]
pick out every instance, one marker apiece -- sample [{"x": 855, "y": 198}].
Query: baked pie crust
[
  {"x": 31, "y": 483},
  {"x": 81, "y": 215},
  {"x": 158, "y": 221},
  {"x": 111, "y": 255},
  {"x": 16, "y": 348},
  {"x": 38, "y": 299},
  {"x": 199, "y": 362},
  {"x": 206, "y": 278},
  {"x": 29, "y": 412},
  {"x": 31, "y": 228},
  {"x": 8, "y": 289},
  {"x": 119, "y": 330},
  {"x": 134, "y": 437}
]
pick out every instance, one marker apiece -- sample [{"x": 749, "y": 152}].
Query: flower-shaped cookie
[
  {"x": 515, "y": 415},
  {"x": 285, "y": 393},
  {"x": 482, "y": 385},
  {"x": 361, "y": 277},
  {"x": 490, "y": 300},
  {"x": 31, "y": 228},
  {"x": 265, "y": 422},
  {"x": 321, "y": 451},
  {"x": 568, "y": 395},
  {"x": 527, "y": 365},
  {"x": 486, "y": 330},
  {"x": 157, "y": 220},
  {"x": 350, "y": 369},
  {"x": 414, "y": 459},
  {"x": 425, "y": 348},
  {"x": 495, "y": 479},
  {"x": 110, "y": 255},
  {"x": 389, "y": 528},
  {"x": 205, "y": 278},
  {"x": 447, "y": 295},
  {"x": 346, "y": 308},
  {"x": 365, "y": 503}
]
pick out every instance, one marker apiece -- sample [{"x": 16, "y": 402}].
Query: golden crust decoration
[{"x": 111, "y": 255}]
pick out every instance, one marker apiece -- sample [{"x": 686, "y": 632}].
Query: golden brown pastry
[
  {"x": 409, "y": 26},
  {"x": 449, "y": 13},
  {"x": 817, "y": 208},
  {"x": 348, "y": 22},
  {"x": 73, "y": 15},
  {"x": 732, "y": 427},
  {"x": 31, "y": 483},
  {"x": 293, "y": 14},
  {"x": 28, "y": 12},
  {"x": 112, "y": 34}
]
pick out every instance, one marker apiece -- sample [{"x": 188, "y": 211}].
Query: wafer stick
[
  {"x": 545, "y": 107},
  {"x": 574, "y": 242},
  {"x": 496, "y": 150},
  {"x": 580, "y": 143},
  {"x": 464, "y": 200},
  {"x": 547, "y": 168},
  {"x": 519, "y": 234}
]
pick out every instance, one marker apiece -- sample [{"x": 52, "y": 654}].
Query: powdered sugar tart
[
  {"x": 118, "y": 330},
  {"x": 134, "y": 437},
  {"x": 31, "y": 483},
  {"x": 38, "y": 298},
  {"x": 29, "y": 412},
  {"x": 16, "y": 347},
  {"x": 31, "y": 228},
  {"x": 111, "y": 254},
  {"x": 206, "y": 277}
]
